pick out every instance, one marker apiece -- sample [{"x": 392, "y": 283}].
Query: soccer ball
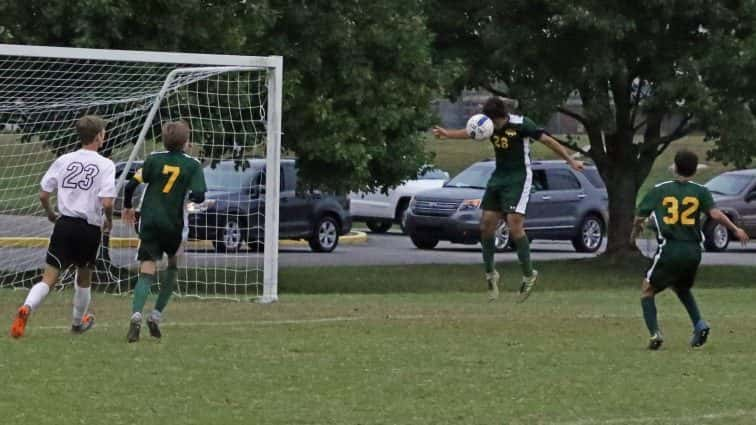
[{"x": 480, "y": 127}]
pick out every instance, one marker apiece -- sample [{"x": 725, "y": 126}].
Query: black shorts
[
  {"x": 154, "y": 242},
  {"x": 675, "y": 265},
  {"x": 73, "y": 241}
]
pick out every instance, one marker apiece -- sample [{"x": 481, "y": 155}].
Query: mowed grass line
[{"x": 437, "y": 357}]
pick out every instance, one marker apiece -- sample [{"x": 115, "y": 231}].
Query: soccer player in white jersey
[{"x": 85, "y": 185}]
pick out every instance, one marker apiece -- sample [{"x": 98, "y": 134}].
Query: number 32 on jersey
[{"x": 690, "y": 206}]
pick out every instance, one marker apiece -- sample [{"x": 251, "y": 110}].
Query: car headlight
[
  {"x": 412, "y": 204},
  {"x": 194, "y": 208},
  {"x": 469, "y": 204}
]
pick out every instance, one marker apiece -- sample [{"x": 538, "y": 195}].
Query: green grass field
[{"x": 394, "y": 353}]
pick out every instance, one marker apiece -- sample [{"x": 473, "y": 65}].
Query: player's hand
[
  {"x": 128, "y": 216},
  {"x": 742, "y": 236},
  {"x": 577, "y": 165},
  {"x": 52, "y": 216},
  {"x": 440, "y": 132},
  {"x": 107, "y": 226}
]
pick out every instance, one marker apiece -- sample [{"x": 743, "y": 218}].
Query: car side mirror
[
  {"x": 751, "y": 197},
  {"x": 257, "y": 191}
]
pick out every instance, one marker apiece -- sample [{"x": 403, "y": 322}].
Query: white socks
[
  {"x": 155, "y": 316},
  {"x": 82, "y": 296},
  {"x": 136, "y": 317},
  {"x": 37, "y": 293}
]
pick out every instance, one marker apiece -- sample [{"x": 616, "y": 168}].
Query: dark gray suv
[
  {"x": 564, "y": 205},
  {"x": 735, "y": 194}
]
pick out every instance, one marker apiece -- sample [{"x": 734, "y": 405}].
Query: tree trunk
[{"x": 622, "y": 194}]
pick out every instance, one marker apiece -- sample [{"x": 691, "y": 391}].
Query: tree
[
  {"x": 359, "y": 82},
  {"x": 633, "y": 65}
]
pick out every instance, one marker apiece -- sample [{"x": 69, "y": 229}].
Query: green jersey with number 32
[{"x": 676, "y": 207}]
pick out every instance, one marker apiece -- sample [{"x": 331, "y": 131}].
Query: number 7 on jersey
[{"x": 174, "y": 172}]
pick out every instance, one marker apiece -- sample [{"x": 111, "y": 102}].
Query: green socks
[
  {"x": 489, "y": 248},
  {"x": 649, "y": 314},
  {"x": 142, "y": 291},
  {"x": 686, "y": 298},
  {"x": 523, "y": 254},
  {"x": 166, "y": 288}
]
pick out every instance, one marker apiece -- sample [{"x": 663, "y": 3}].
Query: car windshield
[
  {"x": 728, "y": 184},
  {"x": 432, "y": 174},
  {"x": 475, "y": 176},
  {"x": 226, "y": 176}
]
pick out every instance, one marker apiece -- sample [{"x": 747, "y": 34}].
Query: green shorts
[
  {"x": 675, "y": 264},
  {"x": 154, "y": 243},
  {"x": 511, "y": 198}
]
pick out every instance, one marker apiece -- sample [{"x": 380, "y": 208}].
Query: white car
[{"x": 380, "y": 210}]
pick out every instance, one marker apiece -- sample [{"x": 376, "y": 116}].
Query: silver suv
[
  {"x": 735, "y": 194},
  {"x": 564, "y": 205}
]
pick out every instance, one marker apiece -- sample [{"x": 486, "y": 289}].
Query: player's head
[
  {"x": 91, "y": 129},
  {"x": 686, "y": 163},
  {"x": 175, "y": 135},
  {"x": 498, "y": 109}
]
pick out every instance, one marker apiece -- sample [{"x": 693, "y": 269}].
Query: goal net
[{"x": 233, "y": 106}]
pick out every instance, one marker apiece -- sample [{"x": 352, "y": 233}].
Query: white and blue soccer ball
[{"x": 480, "y": 127}]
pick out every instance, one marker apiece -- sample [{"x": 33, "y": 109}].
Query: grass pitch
[{"x": 436, "y": 354}]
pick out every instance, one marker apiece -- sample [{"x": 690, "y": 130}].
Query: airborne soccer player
[
  {"x": 170, "y": 176},
  {"x": 508, "y": 189},
  {"x": 675, "y": 208},
  {"x": 85, "y": 185}
]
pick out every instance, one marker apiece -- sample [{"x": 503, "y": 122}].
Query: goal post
[{"x": 233, "y": 105}]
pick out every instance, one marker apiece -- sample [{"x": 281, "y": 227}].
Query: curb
[{"x": 353, "y": 238}]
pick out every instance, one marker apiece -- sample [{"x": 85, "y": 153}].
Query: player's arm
[
  {"x": 446, "y": 133},
  {"x": 645, "y": 208},
  {"x": 718, "y": 215},
  {"x": 128, "y": 215},
  {"x": 197, "y": 186},
  {"x": 107, "y": 194},
  {"x": 637, "y": 228},
  {"x": 557, "y": 147},
  {"x": 48, "y": 185}
]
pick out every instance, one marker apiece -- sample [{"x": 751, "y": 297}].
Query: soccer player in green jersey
[
  {"x": 675, "y": 207},
  {"x": 170, "y": 176},
  {"x": 508, "y": 189}
]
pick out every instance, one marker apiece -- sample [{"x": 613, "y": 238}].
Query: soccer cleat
[
  {"x": 19, "y": 323},
  {"x": 492, "y": 280},
  {"x": 133, "y": 335},
  {"x": 152, "y": 325},
  {"x": 700, "y": 334},
  {"x": 528, "y": 283},
  {"x": 656, "y": 341},
  {"x": 87, "y": 322}
]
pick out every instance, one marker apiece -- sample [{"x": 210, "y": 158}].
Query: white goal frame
[{"x": 203, "y": 62}]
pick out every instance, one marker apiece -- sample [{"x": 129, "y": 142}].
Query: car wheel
[
  {"x": 502, "y": 242},
  {"x": 325, "y": 238},
  {"x": 590, "y": 234},
  {"x": 717, "y": 236},
  {"x": 378, "y": 226},
  {"x": 402, "y": 212},
  {"x": 231, "y": 236},
  {"x": 423, "y": 241}
]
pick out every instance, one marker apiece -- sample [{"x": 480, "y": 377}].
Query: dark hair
[
  {"x": 686, "y": 163},
  {"x": 496, "y": 107},
  {"x": 175, "y": 135},
  {"x": 88, "y": 127}
]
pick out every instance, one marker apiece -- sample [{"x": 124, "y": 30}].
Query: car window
[
  {"x": 432, "y": 174},
  {"x": 227, "y": 176},
  {"x": 539, "y": 180},
  {"x": 559, "y": 179},
  {"x": 594, "y": 177},
  {"x": 475, "y": 176},
  {"x": 728, "y": 184}
]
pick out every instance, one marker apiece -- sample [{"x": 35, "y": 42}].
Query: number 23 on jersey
[{"x": 687, "y": 217}]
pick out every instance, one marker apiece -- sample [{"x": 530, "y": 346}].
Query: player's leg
[
  {"x": 82, "y": 319},
  {"x": 648, "y": 304},
  {"x": 488, "y": 223},
  {"x": 84, "y": 256},
  {"x": 690, "y": 256},
  {"x": 516, "y": 224},
  {"x": 33, "y": 300},
  {"x": 147, "y": 277},
  {"x": 171, "y": 244}
]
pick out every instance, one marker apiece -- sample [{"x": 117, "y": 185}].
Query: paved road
[{"x": 386, "y": 249}]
